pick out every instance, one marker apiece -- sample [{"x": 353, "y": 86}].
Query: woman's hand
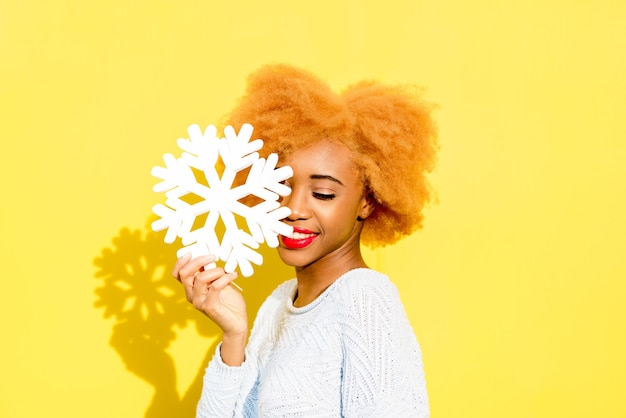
[{"x": 211, "y": 293}]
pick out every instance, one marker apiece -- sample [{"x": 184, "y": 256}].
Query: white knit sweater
[{"x": 349, "y": 353}]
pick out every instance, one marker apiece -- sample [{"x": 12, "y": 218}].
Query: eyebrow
[{"x": 325, "y": 177}]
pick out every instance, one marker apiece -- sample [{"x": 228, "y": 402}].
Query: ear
[{"x": 368, "y": 204}]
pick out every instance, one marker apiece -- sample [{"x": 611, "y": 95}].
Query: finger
[
  {"x": 188, "y": 272},
  {"x": 207, "y": 290},
  {"x": 179, "y": 265},
  {"x": 193, "y": 266},
  {"x": 223, "y": 281},
  {"x": 205, "y": 287},
  {"x": 204, "y": 279}
]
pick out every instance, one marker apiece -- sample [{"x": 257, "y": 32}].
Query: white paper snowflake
[{"x": 217, "y": 197}]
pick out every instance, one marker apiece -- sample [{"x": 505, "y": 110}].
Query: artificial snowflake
[{"x": 218, "y": 197}]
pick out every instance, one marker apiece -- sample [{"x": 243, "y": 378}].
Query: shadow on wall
[{"x": 137, "y": 290}]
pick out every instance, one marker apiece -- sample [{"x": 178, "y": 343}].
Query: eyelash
[{"x": 322, "y": 196}]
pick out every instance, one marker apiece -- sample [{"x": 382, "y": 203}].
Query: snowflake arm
[{"x": 236, "y": 150}]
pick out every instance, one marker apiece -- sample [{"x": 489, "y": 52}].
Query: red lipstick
[{"x": 301, "y": 238}]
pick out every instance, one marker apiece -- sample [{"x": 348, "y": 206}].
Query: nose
[{"x": 297, "y": 202}]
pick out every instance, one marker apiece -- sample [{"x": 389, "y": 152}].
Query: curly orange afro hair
[{"x": 389, "y": 130}]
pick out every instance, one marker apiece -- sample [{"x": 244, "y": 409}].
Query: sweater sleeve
[
  {"x": 383, "y": 373},
  {"x": 232, "y": 391},
  {"x": 221, "y": 387}
]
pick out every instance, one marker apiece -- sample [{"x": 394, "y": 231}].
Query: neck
[{"x": 314, "y": 278}]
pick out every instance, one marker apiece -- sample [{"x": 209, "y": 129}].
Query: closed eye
[{"x": 323, "y": 196}]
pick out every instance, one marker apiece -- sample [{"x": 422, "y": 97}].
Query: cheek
[{"x": 340, "y": 218}]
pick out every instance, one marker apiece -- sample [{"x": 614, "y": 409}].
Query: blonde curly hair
[{"x": 389, "y": 130}]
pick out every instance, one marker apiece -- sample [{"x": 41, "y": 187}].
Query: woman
[{"x": 334, "y": 341}]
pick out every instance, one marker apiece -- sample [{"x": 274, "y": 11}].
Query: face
[{"x": 327, "y": 196}]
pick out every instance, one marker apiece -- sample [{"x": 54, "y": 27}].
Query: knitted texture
[{"x": 349, "y": 353}]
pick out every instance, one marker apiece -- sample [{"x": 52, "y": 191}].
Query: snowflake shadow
[{"x": 148, "y": 306}]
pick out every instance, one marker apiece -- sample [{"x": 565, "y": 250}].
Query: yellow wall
[{"x": 515, "y": 287}]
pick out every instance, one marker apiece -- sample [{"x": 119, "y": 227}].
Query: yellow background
[{"x": 515, "y": 287}]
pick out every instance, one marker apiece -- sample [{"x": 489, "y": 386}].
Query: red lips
[{"x": 301, "y": 238}]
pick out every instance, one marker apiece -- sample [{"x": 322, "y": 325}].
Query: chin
[{"x": 293, "y": 258}]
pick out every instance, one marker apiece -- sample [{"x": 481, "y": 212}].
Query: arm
[
  {"x": 210, "y": 292},
  {"x": 222, "y": 388},
  {"x": 383, "y": 371}
]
